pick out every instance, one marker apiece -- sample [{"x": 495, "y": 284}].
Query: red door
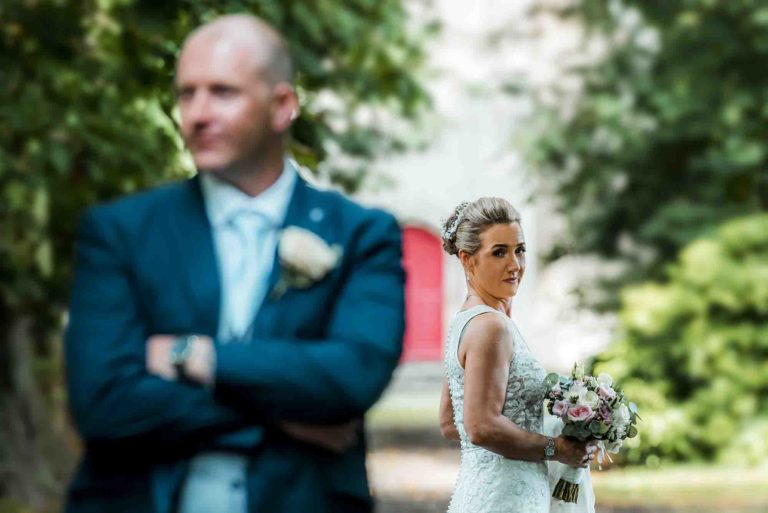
[{"x": 423, "y": 262}]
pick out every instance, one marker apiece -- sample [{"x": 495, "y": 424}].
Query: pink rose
[
  {"x": 580, "y": 412},
  {"x": 606, "y": 392},
  {"x": 560, "y": 408}
]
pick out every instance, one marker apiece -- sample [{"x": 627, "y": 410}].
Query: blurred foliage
[
  {"x": 652, "y": 142},
  {"x": 665, "y": 135},
  {"x": 87, "y": 114},
  {"x": 87, "y": 108},
  {"x": 693, "y": 351}
]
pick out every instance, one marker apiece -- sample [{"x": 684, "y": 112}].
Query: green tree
[
  {"x": 693, "y": 350},
  {"x": 662, "y": 143},
  {"x": 666, "y": 137},
  {"x": 87, "y": 114}
]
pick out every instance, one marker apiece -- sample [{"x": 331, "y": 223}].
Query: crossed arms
[{"x": 113, "y": 397}]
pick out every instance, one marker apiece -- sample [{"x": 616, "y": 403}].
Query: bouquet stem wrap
[
  {"x": 558, "y": 471},
  {"x": 567, "y": 488}
]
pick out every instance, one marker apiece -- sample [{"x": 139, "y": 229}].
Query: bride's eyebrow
[{"x": 503, "y": 245}]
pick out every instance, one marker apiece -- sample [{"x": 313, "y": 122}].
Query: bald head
[
  {"x": 235, "y": 99},
  {"x": 260, "y": 44}
]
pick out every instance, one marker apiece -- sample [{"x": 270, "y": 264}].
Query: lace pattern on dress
[{"x": 489, "y": 482}]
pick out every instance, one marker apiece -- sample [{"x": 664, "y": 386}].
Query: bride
[{"x": 492, "y": 399}]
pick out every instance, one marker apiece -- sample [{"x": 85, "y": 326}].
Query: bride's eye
[
  {"x": 520, "y": 250},
  {"x": 500, "y": 252}
]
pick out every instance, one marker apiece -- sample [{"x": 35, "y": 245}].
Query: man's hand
[
  {"x": 337, "y": 438},
  {"x": 200, "y": 363},
  {"x": 159, "y": 356}
]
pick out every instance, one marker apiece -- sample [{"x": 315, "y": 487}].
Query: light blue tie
[{"x": 246, "y": 276}]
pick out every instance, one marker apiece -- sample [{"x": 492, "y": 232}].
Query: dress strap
[{"x": 461, "y": 321}]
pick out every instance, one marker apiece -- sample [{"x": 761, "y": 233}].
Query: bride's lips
[{"x": 512, "y": 281}]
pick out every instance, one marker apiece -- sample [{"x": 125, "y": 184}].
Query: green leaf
[{"x": 551, "y": 380}]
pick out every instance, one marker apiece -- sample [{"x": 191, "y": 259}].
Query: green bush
[{"x": 693, "y": 351}]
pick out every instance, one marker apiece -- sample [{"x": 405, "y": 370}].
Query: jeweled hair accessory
[{"x": 448, "y": 233}]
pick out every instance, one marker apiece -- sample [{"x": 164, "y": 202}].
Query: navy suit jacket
[{"x": 146, "y": 265}]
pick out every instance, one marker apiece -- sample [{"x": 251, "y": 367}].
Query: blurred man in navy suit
[{"x": 228, "y": 333}]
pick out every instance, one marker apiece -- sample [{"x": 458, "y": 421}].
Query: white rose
[
  {"x": 605, "y": 380},
  {"x": 621, "y": 419},
  {"x": 622, "y": 413},
  {"x": 307, "y": 254},
  {"x": 591, "y": 399}
]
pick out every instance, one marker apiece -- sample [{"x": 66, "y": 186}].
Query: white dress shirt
[{"x": 245, "y": 234}]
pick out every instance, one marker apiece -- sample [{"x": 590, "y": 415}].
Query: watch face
[
  {"x": 179, "y": 351},
  {"x": 549, "y": 450}
]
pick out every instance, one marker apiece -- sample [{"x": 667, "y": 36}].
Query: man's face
[{"x": 225, "y": 104}]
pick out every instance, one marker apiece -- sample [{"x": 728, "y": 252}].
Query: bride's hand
[{"x": 573, "y": 452}]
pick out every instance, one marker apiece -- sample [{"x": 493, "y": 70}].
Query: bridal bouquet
[{"x": 591, "y": 409}]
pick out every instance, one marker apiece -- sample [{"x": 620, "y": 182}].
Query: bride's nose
[{"x": 514, "y": 264}]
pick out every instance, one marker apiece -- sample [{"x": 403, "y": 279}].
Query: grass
[
  {"x": 687, "y": 488},
  {"x": 699, "y": 488},
  {"x": 10, "y": 506},
  {"x": 415, "y": 410}
]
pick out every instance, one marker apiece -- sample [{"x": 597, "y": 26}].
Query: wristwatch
[
  {"x": 549, "y": 450},
  {"x": 180, "y": 351}
]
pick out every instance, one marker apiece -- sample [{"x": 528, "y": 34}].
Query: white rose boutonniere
[{"x": 305, "y": 259}]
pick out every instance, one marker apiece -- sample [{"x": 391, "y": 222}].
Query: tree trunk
[{"x": 36, "y": 450}]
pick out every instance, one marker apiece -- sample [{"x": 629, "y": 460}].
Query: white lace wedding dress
[{"x": 489, "y": 482}]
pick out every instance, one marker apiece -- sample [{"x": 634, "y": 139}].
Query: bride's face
[{"x": 497, "y": 267}]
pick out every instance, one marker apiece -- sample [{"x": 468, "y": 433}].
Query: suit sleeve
[
  {"x": 342, "y": 376},
  {"x": 112, "y": 397}
]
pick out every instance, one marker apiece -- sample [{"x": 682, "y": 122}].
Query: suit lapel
[
  {"x": 293, "y": 217},
  {"x": 193, "y": 237},
  {"x": 303, "y": 213},
  {"x": 194, "y": 240}
]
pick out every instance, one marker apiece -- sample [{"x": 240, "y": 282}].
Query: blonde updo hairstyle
[{"x": 474, "y": 218}]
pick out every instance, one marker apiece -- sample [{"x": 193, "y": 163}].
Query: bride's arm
[
  {"x": 486, "y": 351},
  {"x": 447, "y": 427}
]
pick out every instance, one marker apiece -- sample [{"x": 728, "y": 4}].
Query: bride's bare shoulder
[{"x": 487, "y": 328}]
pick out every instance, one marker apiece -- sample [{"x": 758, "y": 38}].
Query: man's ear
[{"x": 285, "y": 107}]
